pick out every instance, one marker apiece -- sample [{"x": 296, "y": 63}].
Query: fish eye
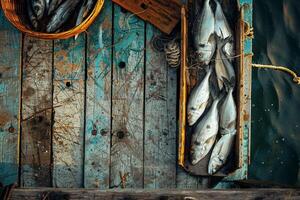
[
  {"x": 197, "y": 143},
  {"x": 202, "y": 45}
]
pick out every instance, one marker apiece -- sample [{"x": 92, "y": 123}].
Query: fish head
[
  {"x": 215, "y": 164},
  {"x": 196, "y": 154},
  {"x": 194, "y": 114},
  {"x": 205, "y": 51},
  {"x": 200, "y": 148},
  {"x": 229, "y": 49}
]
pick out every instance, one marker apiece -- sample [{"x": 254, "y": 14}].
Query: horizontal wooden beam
[{"x": 53, "y": 193}]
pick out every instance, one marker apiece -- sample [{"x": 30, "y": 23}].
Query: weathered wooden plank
[
  {"x": 36, "y": 113},
  {"x": 10, "y": 84},
  {"x": 160, "y": 132},
  {"x": 163, "y": 14},
  {"x": 127, "y": 100},
  {"x": 43, "y": 193},
  {"x": 68, "y": 101},
  {"x": 98, "y": 100}
]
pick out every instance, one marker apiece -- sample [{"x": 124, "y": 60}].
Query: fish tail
[
  {"x": 208, "y": 69},
  {"x": 229, "y": 84}
]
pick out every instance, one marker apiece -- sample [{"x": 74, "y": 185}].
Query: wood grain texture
[
  {"x": 98, "y": 99},
  {"x": 165, "y": 15},
  {"x": 160, "y": 136},
  {"x": 10, "y": 86},
  {"x": 36, "y": 113},
  {"x": 127, "y": 100},
  {"x": 79, "y": 194},
  {"x": 68, "y": 101}
]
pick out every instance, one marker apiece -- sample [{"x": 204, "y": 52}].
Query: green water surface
[{"x": 276, "y": 99}]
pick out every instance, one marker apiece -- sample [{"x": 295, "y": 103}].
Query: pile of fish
[
  {"x": 213, "y": 37},
  {"x": 53, "y": 16}
]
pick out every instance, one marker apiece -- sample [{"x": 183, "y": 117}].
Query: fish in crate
[{"x": 212, "y": 88}]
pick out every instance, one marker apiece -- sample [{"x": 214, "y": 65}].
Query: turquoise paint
[
  {"x": 128, "y": 97},
  {"x": 74, "y": 51},
  {"x": 10, "y": 55},
  {"x": 98, "y": 101}
]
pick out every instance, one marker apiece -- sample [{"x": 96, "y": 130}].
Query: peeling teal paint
[{"x": 10, "y": 59}]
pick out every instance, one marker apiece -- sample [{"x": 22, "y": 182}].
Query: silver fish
[
  {"x": 84, "y": 11},
  {"x": 53, "y": 5},
  {"x": 223, "y": 31},
  {"x": 205, "y": 134},
  {"x": 220, "y": 153},
  {"x": 38, "y": 7},
  {"x": 47, "y": 4},
  {"x": 223, "y": 67},
  {"x": 62, "y": 14},
  {"x": 89, "y": 6},
  {"x": 80, "y": 16},
  {"x": 203, "y": 30},
  {"x": 31, "y": 15},
  {"x": 228, "y": 114},
  {"x": 198, "y": 99}
]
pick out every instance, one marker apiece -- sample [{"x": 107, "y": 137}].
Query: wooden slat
[
  {"x": 68, "y": 128},
  {"x": 127, "y": 100},
  {"x": 36, "y": 113},
  {"x": 183, "y": 86},
  {"x": 165, "y": 15},
  {"x": 98, "y": 99},
  {"x": 184, "y": 180},
  {"x": 79, "y": 194},
  {"x": 10, "y": 60},
  {"x": 160, "y": 119}
]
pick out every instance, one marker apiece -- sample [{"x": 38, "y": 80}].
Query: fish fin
[
  {"x": 222, "y": 42},
  {"x": 208, "y": 69},
  {"x": 214, "y": 92},
  {"x": 228, "y": 83}
]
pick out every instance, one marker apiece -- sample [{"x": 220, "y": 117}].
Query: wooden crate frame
[{"x": 244, "y": 46}]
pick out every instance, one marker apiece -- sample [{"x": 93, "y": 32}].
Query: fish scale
[
  {"x": 38, "y": 7},
  {"x": 199, "y": 99},
  {"x": 205, "y": 134},
  {"x": 223, "y": 67},
  {"x": 228, "y": 116},
  {"x": 204, "y": 40},
  {"x": 62, "y": 14},
  {"x": 223, "y": 30}
]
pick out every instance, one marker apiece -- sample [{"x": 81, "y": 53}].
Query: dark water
[{"x": 276, "y": 99}]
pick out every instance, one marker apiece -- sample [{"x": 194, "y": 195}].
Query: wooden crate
[{"x": 189, "y": 77}]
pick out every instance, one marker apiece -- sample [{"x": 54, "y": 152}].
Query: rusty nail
[
  {"x": 122, "y": 64},
  {"x": 103, "y": 132},
  {"x": 123, "y": 10},
  {"x": 11, "y": 129},
  {"x": 40, "y": 118},
  {"x": 120, "y": 134},
  {"x": 144, "y": 6},
  {"x": 94, "y": 132},
  {"x": 68, "y": 84}
]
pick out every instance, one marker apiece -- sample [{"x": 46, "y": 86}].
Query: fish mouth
[
  {"x": 194, "y": 162},
  {"x": 191, "y": 119},
  {"x": 211, "y": 171}
]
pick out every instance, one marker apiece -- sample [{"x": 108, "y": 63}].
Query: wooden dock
[{"x": 98, "y": 112}]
